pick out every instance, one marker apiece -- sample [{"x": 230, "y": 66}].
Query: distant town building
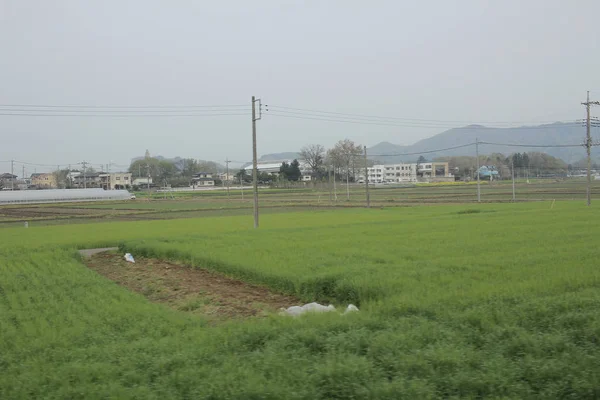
[
  {"x": 142, "y": 181},
  {"x": 7, "y": 179},
  {"x": 409, "y": 172},
  {"x": 86, "y": 180},
  {"x": 116, "y": 180},
  {"x": 44, "y": 180},
  {"x": 226, "y": 177},
  {"x": 273, "y": 168},
  {"x": 203, "y": 179}
]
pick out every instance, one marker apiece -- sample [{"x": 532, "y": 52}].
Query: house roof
[{"x": 7, "y": 176}]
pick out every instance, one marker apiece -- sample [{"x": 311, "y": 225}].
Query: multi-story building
[
  {"x": 116, "y": 180},
  {"x": 412, "y": 172},
  {"x": 203, "y": 179},
  {"x": 87, "y": 180},
  {"x": 8, "y": 180},
  {"x": 392, "y": 173},
  {"x": 43, "y": 181}
]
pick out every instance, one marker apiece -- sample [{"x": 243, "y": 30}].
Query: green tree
[
  {"x": 243, "y": 176},
  {"x": 166, "y": 171},
  {"x": 265, "y": 177},
  {"x": 190, "y": 167},
  {"x": 139, "y": 168},
  {"x": 294, "y": 171},
  {"x": 284, "y": 170}
]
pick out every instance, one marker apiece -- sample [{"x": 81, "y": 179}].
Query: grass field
[
  {"x": 218, "y": 202},
  {"x": 457, "y": 301}
]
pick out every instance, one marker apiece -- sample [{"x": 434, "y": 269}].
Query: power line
[
  {"x": 122, "y": 106},
  {"x": 422, "y": 152},
  {"x": 305, "y": 110},
  {"x": 55, "y": 110},
  {"x": 530, "y": 145},
  {"x": 284, "y": 114},
  {"x": 118, "y": 115}
]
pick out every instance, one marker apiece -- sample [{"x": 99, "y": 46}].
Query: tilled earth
[{"x": 189, "y": 289}]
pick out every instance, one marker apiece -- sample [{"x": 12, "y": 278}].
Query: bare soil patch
[{"x": 190, "y": 289}]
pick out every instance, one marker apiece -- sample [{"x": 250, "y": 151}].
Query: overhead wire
[
  {"x": 124, "y": 106},
  {"x": 365, "y": 121},
  {"x": 531, "y": 145},
  {"x": 422, "y": 152},
  {"x": 306, "y": 111},
  {"x": 120, "y": 115}
]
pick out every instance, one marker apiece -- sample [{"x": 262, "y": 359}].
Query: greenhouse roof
[{"x": 61, "y": 195}]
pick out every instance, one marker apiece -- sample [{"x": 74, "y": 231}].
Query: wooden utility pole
[
  {"x": 367, "y": 179},
  {"x": 477, "y": 172},
  {"x": 588, "y": 146},
  {"x": 513, "y": 176},
  {"x": 227, "y": 175},
  {"x": 12, "y": 173},
  {"x": 330, "y": 188},
  {"x": 254, "y": 160},
  {"x": 148, "y": 181},
  {"x": 83, "y": 164}
]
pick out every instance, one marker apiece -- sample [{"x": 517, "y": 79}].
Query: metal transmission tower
[{"x": 588, "y": 145}]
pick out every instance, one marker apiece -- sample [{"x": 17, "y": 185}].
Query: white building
[
  {"x": 116, "y": 180},
  {"x": 203, "y": 179},
  {"x": 142, "y": 181},
  {"x": 413, "y": 172},
  {"x": 392, "y": 173},
  {"x": 273, "y": 167}
]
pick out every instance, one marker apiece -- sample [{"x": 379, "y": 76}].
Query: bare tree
[
  {"x": 347, "y": 155},
  {"x": 314, "y": 156}
]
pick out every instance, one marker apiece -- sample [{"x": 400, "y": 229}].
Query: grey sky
[{"x": 527, "y": 60}]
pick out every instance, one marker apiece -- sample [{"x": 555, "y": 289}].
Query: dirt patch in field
[{"x": 189, "y": 289}]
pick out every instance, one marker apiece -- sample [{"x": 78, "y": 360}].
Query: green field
[{"x": 457, "y": 301}]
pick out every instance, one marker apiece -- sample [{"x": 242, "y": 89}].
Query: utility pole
[
  {"x": 330, "y": 189},
  {"x": 23, "y": 173},
  {"x": 227, "y": 175},
  {"x": 334, "y": 187},
  {"x": 12, "y": 173},
  {"x": 513, "y": 176},
  {"x": 242, "y": 185},
  {"x": 254, "y": 159},
  {"x": 148, "y": 181},
  {"x": 367, "y": 179},
  {"x": 83, "y": 164},
  {"x": 588, "y": 146},
  {"x": 477, "y": 172}
]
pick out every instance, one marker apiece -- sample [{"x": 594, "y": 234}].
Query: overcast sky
[{"x": 471, "y": 61}]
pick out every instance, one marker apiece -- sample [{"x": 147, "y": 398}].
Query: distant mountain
[
  {"x": 275, "y": 158},
  {"x": 551, "y": 134},
  {"x": 278, "y": 156}
]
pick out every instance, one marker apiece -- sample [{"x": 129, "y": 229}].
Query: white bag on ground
[
  {"x": 129, "y": 258},
  {"x": 350, "y": 308},
  {"x": 310, "y": 307}
]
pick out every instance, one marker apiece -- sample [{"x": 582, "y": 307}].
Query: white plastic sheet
[
  {"x": 129, "y": 258},
  {"x": 313, "y": 307}
]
